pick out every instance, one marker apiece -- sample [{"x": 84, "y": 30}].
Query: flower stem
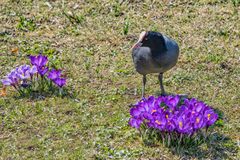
[
  {"x": 163, "y": 139},
  {"x": 140, "y": 132},
  {"x": 169, "y": 139},
  {"x": 18, "y": 89},
  {"x": 61, "y": 91},
  {"x": 180, "y": 139},
  {"x": 42, "y": 83},
  {"x": 205, "y": 135},
  {"x": 179, "y": 142}
]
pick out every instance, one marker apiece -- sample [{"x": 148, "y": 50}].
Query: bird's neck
[
  {"x": 159, "y": 48},
  {"x": 137, "y": 45}
]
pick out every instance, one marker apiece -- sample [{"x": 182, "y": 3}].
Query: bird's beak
[{"x": 141, "y": 37}]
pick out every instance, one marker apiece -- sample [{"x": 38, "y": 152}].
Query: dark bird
[{"x": 154, "y": 53}]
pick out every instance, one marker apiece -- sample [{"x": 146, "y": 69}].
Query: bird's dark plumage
[
  {"x": 155, "y": 41},
  {"x": 154, "y": 53}
]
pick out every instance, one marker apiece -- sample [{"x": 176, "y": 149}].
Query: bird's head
[{"x": 151, "y": 39}]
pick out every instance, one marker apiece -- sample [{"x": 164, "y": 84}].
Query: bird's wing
[{"x": 167, "y": 57}]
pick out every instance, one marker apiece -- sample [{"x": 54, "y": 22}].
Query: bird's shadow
[{"x": 182, "y": 96}]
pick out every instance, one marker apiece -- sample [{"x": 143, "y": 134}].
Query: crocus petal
[
  {"x": 60, "y": 82},
  {"x": 33, "y": 60},
  {"x": 39, "y": 60},
  {"x": 42, "y": 60},
  {"x": 174, "y": 101},
  {"x": 33, "y": 70},
  {"x": 54, "y": 74},
  {"x": 42, "y": 70},
  {"x": 134, "y": 112},
  {"x": 136, "y": 123},
  {"x": 6, "y": 82}
]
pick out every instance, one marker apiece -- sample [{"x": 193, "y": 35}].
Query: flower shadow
[
  {"x": 54, "y": 92},
  {"x": 216, "y": 146}
]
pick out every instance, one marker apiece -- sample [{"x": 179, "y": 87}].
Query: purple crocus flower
[
  {"x": 172, "y": 101},
  {"x": 160, "y": 122},
  {"x": 199, "y": 107},
  {"x": 135, "y": 113},
  {"x": 23, "y": 72},
  {"x": 42, "y": 70},
  {"x": 136, "y": 123},
  {"x": 11, "y": 79},
  {"x": 54, "y": 74},
  {"x": 170, "y": 126},
  {"x": 198, "y": 122},
  {"x": 60, "y": 82},
  {"x": 151, "y": 108},
  {"x": 8, "y": 81},
  {"x": 190, "y": 103},
  {"x": 141, "y": 108},
  {"x": 183, "y": 125},
  {"x": 33, "y": 70},
  {"x": 170, "y": 116},
  {"x": 148, "y": 116},
  {"x": 39, "y": 60},
  {"x": 210, "y": 117},
  {"x": 151, "y": 124}
]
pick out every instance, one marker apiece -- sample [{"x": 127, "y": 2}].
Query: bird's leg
[
  {"x": 143, "y": 86},
  {"x": 160, "y": 78}
]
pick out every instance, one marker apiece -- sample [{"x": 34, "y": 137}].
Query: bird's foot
[
  {"x": 158, "y": 93},
  {"x": 164, "y": 94},
  {"x": 183, "y": 95}
]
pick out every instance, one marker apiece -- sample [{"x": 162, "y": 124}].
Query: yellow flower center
[
  {"x": 197, "y": 120},
  {"x": 180, "y": 124},
  {"x": 154, "y": 110},
  {"x": 158, "y": 122},
  {"x": 166, "y": 116},
  {"x": 208, "y": 116}
]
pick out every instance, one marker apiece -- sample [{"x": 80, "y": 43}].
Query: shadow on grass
[
  {"x": 158, "y": 93},
  {"x": 40, "y": 95},
  {"x": 215, "y": 146}
]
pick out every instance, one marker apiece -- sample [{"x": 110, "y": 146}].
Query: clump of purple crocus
[
  {"x": 172, "y": 116},
  {"x": 26, "y": 76},
  {"x": 19, "y": 76}
]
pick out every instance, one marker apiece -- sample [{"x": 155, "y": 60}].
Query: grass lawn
[{"x": 91, "y": 40}]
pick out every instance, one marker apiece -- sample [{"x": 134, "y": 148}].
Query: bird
[{"x": 154, "y": 52}]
